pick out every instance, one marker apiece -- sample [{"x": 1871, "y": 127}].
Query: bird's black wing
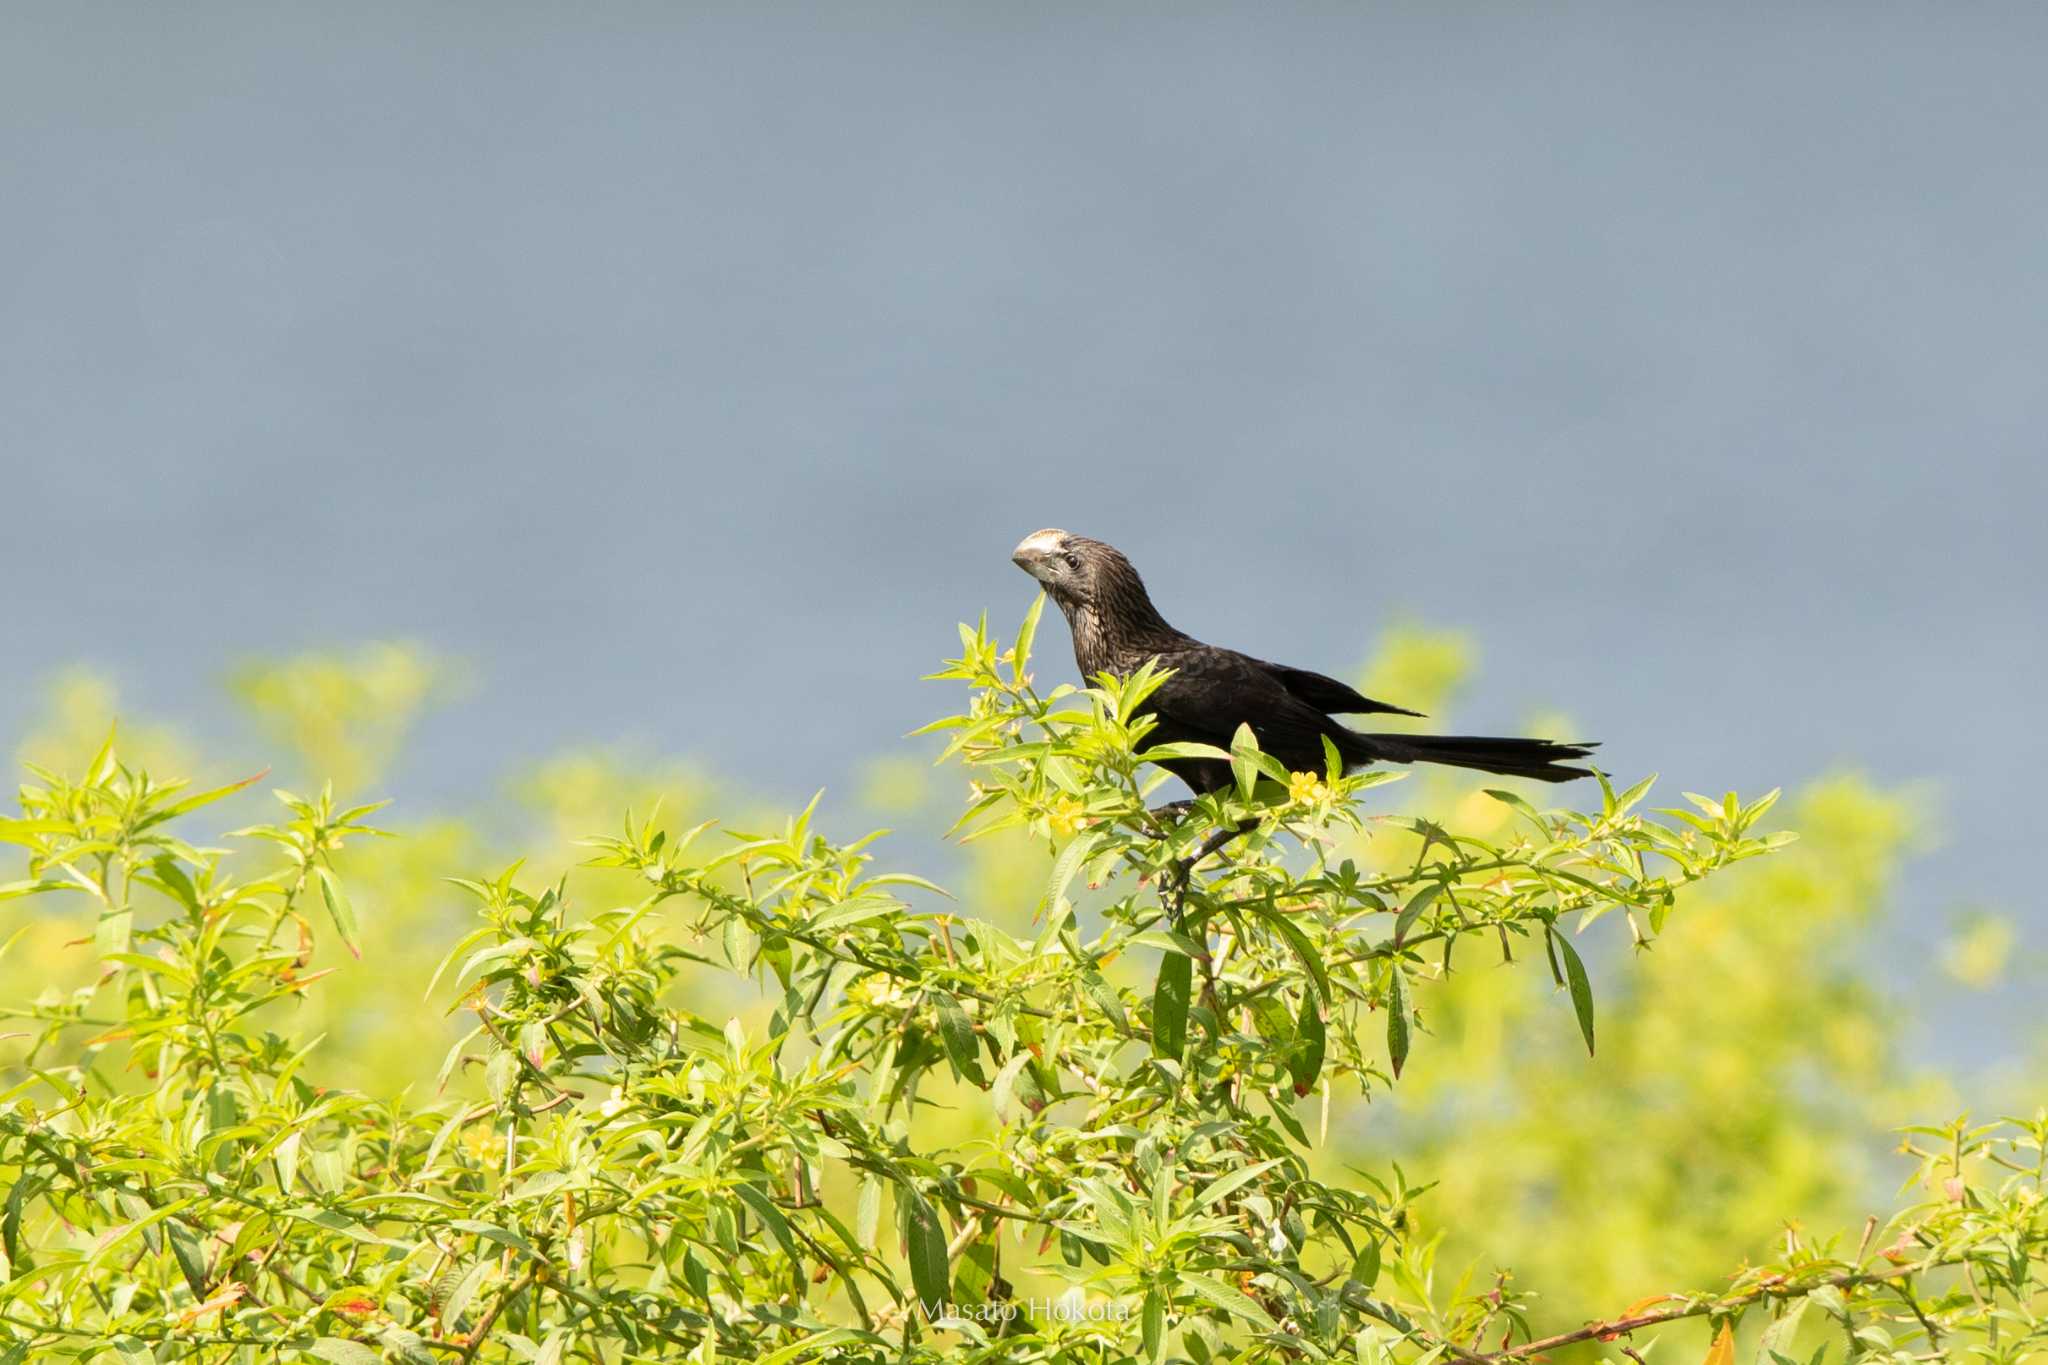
[
  {"x": 1213, "y": 691},
  {"x": 1328, "y": 695}
]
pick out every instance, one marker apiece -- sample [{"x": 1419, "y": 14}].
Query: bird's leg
[
  {"x": 1183, "y": 868},
  {"x": 1209, "y": 845},
  {"x": 1183, "y": 874}
]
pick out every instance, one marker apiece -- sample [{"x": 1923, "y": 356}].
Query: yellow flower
[
  {"x": 874, "y": 992},
  {"x": 1066, "y": 816},
  {"x": 1305, "y": 789}
]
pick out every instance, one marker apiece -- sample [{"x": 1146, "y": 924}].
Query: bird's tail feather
[{"x": 1541, "y": 759}]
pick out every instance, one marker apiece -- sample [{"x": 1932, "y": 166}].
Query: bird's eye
[{"x": 1073, "y": 560}]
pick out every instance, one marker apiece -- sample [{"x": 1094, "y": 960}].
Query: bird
[{"x": 1210, "y": 691}]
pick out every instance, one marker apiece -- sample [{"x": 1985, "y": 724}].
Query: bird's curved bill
[{"x": 1034, "y": 556}]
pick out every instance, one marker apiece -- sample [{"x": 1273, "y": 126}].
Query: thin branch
[
  {"x": 1615, "y": 1327},
  {"x": 483, "y": 1327}
]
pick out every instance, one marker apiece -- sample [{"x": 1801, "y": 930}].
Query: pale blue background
[{"x": 691, "y": 370}]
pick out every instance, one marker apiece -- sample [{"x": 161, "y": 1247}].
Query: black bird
[{"x": 1212, "y": 691}]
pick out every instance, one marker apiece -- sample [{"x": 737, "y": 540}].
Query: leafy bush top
[{"x": 934, "y": 1138}]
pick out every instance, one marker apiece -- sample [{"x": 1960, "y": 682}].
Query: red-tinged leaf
[{"x": 206, "y": 798}]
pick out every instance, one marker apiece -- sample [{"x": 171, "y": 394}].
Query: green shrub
[{"x": 1097, "y": 1140}]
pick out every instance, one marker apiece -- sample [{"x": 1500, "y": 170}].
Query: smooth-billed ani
[{"x": 1212, "y": 691}]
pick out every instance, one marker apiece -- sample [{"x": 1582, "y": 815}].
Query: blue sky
[{"x": 689, "y": 370}]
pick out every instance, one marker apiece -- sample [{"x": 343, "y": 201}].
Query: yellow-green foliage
[
  {"x": 737, "y": 1096},
  {"x": 345, "y": 715},
  {"x": 1747, "y": 1068}
]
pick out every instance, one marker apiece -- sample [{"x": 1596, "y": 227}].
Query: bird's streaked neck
[{"x": 1118, "y": 634}]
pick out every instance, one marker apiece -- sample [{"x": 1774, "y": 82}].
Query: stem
[
  {"x": 1614, "y": 1327},
  {"x": 483, "y": 1327}
]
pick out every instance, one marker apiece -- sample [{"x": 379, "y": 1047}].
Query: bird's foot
[
  {"x": 1183, "y": 868},
  {"x": 1172, "y": 812}
]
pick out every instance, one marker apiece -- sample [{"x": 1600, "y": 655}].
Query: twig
[
  {"x": 1622, "y": 1326},
  {"x": 969, "y": 1230},
  {"x": 483, "y": 1327}
]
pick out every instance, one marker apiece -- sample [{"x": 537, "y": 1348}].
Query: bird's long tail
[{"x": 1541, "y": 759}]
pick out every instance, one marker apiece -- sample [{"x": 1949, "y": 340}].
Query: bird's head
[{"x": 1077, "y": 571}]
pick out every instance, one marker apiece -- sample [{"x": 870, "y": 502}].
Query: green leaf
[
  {"x": 813, "y": 1346},
  {"x": 1182, "y": 749},
  {"x": 103, "y": 763},
  {"x": 1227, "y": 1297},
  {"x": 1153, "y": 1326},
  {"x": 406, "y": 1345},
  {"x": 1397, "y": 1019},
  {"x": 23, "y": 832},
  {"x": 1272, "y": 1020},
  {"x": 1113, "y": 1212},
  {"x": 742, "y": 942},
  {"x": 1581, "y": 990},
  {"x": 464, "y": 1291},
  {"x": 175, "y": 881},
  {"x": 1004, "y": 1091},
  {"x": 1623, "y": 802},
  {"x": 499, "y": 1073},
  {"x": 927, "y": 1239},
  {"x": 1021, "y": 652},
  {"x": 1216, "y": 1190},
  {"x": 1411, "y": 912},
  {"x": 1305, "y": 1060},
  {"x": 956, "y": 1030},
  {"x": 1063, "y": 867},
  {"x": 336, "y": 1221},
  {"x": 342, "y": 1351},
  {"x": 191, "y": 1257},
  {"x": 867, "y": 1217},
  {"x": 1365, "y": 1269},
  {"x": 908, "y": 879},
  {"x": 1170, "y": 1005},
  {"x": 1244, "y": 761},
  {"x": 491, "y": 1232},
  {"x": 1776, "y": 1341},
  {"x": 1520, "y": 806},
  {"x": 1296, "y": 939},
  {"x": 771, "y": 1217},
  {"x": 340, "y": 911},
  {"x": 286, "y": 1157},
  {"x": 10, "y": 1222},
  {"x": 112, "y": 932},
  {"x": 109, "y": 1241},
  {"x": 207, "y": 798},
  {"x": 1104, "y": 995}
]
